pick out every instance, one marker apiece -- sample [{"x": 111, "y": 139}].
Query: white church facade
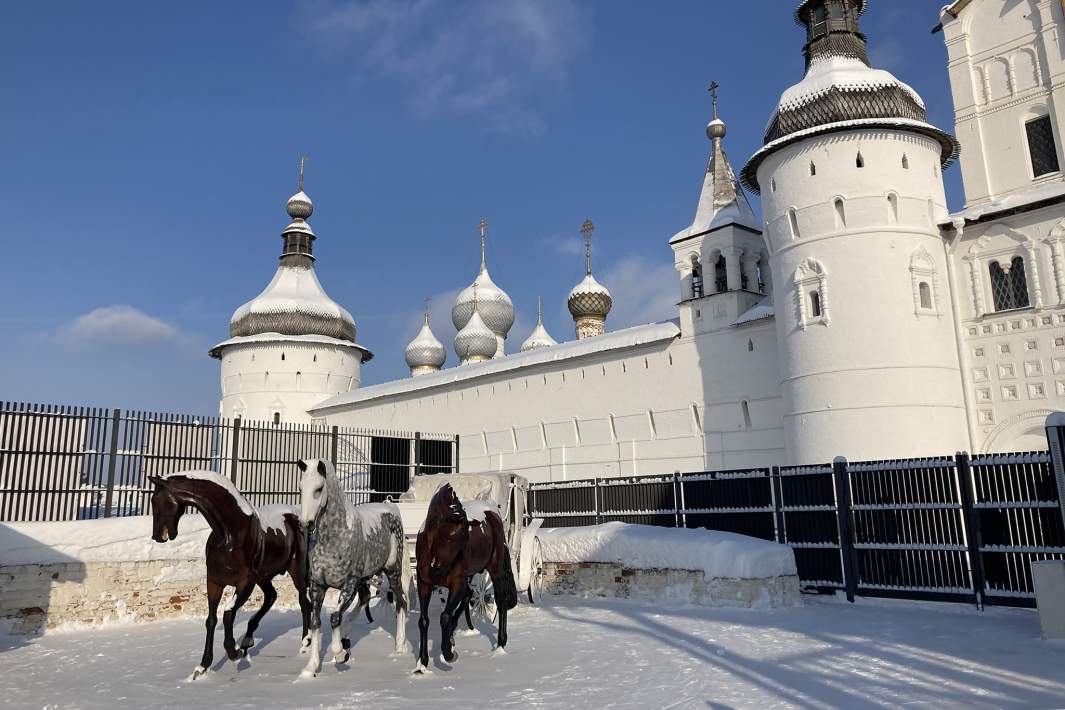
[{"x": 857, "y": 316}]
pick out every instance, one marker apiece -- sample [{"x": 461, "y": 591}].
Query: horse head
[
  {"x": 315, "y": 476},
  {"x": 448, "y": 529},
  {"x": 166, "y": 510}
]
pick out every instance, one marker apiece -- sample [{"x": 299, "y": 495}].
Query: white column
[
  {"x": 750, "y": 267},
  {"x": 732, "y": 267},
  {"x": 977, "y": 287},
  {"x": 1059, "y": 267},
  {"x": 1033, "y": 260}
]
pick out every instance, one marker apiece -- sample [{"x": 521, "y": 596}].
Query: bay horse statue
[
  {"x": 347, "y": 545},
  {"x": 452, "y": 547},
  {"x": 245, "y": 548}
]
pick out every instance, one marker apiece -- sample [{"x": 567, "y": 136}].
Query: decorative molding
[
  {"x": 811, "y": 273},
  {"x": 923, "y": 268}
]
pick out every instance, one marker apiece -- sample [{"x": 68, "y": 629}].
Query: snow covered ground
[{"x": 576, "y": 654}]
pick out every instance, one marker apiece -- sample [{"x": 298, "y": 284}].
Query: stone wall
[
  {"x": 39, "y": 597},
  {"x": 677, "y": 586}
]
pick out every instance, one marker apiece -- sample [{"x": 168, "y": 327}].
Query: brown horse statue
[
  {"x": 452, "y": 547},
  {"x": 246, "y": 548}
]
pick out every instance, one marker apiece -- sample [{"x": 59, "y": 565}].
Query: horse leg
[
  {"x": 425, "y": 593},
  {"x": 364, "y": 602},
  {"x": 341, "y": 647},
  {"x": 399, "y": 596},
  {"x": 456, "y": 592},
  {"x": 230, "y": 614},
  {"x": 269, "y": 597},
  {"x": 502, "y": 637},
  {"x": 214, "y": 595},
  {"x": 298, "y": 571},
  {"x": 466, "y": 605},
  {"x": 316, "y": 595}
]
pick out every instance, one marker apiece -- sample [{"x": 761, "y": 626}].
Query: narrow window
[
  {"x": 815, "y": 304},
  {"x": 773, "y": 183},
  {"x": 299, "y": 380},
  {"x": 793, "y": 219},
  {"x": 720, "y": 275},
  {"x": 750, "y": 345},
  {"x": 813, "y": 168},
  {"x": 860, "y": 161},
  {"x": 926, "y": 295},
  {"x": 315, "y": 358},
  {"x": 893, "y": 208},
  {"x": 841, "y": 215},
  {"x": 282, "y": 357},
  {"x": 1041, "y": 146},
  {"x": 746, "y": 414},
  {"x": 697, "y": 278},
  {"x": 905, "y": 162},
  {"x": 1009, "y": 286},
  {"x": 277, "y": 417}
]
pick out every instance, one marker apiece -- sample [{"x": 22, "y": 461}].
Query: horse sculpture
[
  {"x": 452, "y": 547},
  {"x": 347, "y": 545},
  {"x": 246, "y": 548}
]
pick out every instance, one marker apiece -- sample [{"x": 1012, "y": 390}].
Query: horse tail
[
  {"x": 506, "y": 590},
  {"x": 395, "y": 525}
]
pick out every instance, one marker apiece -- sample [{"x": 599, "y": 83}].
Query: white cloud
[
  {"x": 487, "y": 57},
  {"x": 568, "y": 246},
  {"x": 121, "y": 325},
  {"x": 643, "y": 291}
]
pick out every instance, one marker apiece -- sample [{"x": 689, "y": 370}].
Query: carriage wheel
[
  {"x": 483, "y": 602},
  {"x": 536, "y": 581}
]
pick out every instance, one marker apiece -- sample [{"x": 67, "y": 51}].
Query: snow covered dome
[
  {"x": 299, "y": 206},
  {"x": 493, "y": 303},
  {"x": 589, "y": 299},
  {"x": 840, "y": 91},
  {"x": 425, "y": 353},
  {"x": 476, "y": 341},
  {"x": 539, "y": 338}
]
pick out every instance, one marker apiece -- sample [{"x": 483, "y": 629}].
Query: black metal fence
[
  {"x": 65, "y": 463},
  {"x": 950, "y": 528}
]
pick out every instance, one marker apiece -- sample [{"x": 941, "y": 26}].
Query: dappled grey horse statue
[{"x": 348, "y": 544}]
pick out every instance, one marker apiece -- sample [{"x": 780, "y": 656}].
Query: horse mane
[
  {"x": 445, "y": 504},
  {"x": 192, "y": 491}
]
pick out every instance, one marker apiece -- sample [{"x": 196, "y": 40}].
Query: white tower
[
  {"x": 495, "y": 306},
  {"x": 291, "y": 346},
  {"x": 852, "y": 191},
  {"x": 589, "y": 302}
]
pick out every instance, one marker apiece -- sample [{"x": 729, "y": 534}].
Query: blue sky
[{"x": 149, "y": 149}]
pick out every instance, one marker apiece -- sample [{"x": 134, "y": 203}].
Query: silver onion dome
[
  {"x": 589, "y": 299},
  {"x": 299, "y": 205},
  {"x": 425, "y": 353},
  {"x": 476, "y": 341},
  {"x": 493, "y": 303},
  {"x": 539, "y": 338}
]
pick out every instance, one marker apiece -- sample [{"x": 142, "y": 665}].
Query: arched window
[
  {"x": 750, "y": 345},
  {"x": 299, "y": 380},
  {"x": 793, "y": 221},
  {"x": 1009, "y": 286},
  {"x": 773, "y": 183},
  {"x": 860, "y": 160},
  {"x": 925, "y": 292},
  {"x": 815, "y": 304},
  {"x": 841, "y": 214},
  {"x": 905, "y": 162},
  {"x": 697, "y": 278},
  {"x": 746, "y": 414},
  {"x": 720, "y": 275},
  {"x": 813, "y": 168},
  {"x": 893, "y": 208},
  {"x": 282, "y": 357},
  {"x": 277, "y": 417}
]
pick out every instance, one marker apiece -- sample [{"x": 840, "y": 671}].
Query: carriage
[{"x": 507, "y": 492}]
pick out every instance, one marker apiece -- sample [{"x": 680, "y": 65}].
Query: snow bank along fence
[
  {"x": 69, "y": 463},
  {"x": 951, "y": 528}
]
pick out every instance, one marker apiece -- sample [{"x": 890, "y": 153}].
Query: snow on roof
[
  {"x": 216, "y": 351},
  {"x": 763, "y": 310},
  {"x": 717, "y": 554},
  {"x": 295, "y": 290},
  {"x": 1017, "y": 200},
  {"x": 842, "y": 73},
  {"x": 617, "y": 340}
]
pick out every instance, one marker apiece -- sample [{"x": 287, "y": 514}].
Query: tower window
[
  {"x": 859, "y": 161},
  {"x": 905, "y": 162},
  {"x": 925, "y": 292},
  {"x": 277, "y": 417},
  {"x": 720, "y": 275},
  {"x": 1041, "y": 146},
  {"x": 893, "y": 208},
  {"x": 1009, "y": 285},
  {"x": 750, "y": 345},
  {"x": 793, "y": 220},
  {"x": 773, "y": 184},
  {"x": 746, "y": 414},
  {"x": 815, "y": 304},
  {"x": 813, "y": 168},
  {"x": 841, "y": 215},
  {"x": 282, "y": 357},
  {"x": 697, "y": 278}
]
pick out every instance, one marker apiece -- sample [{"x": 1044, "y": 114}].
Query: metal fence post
[
  {"x": 234, "y": 451},
  {"x": 676, "y": 499},
  {"x": 967, "y": 493},
  {"x": 334, "y": 446},
  {"x": 595, "y": 494},
  {"x": 778, "y": 505},
  {"x": 1055, "y": 428},
  {"x": 417, "y": 454},
  {"x": 112, "y": 460},
  {"x": 846, "y": 535},
  {"x": 455, "y": 463}
]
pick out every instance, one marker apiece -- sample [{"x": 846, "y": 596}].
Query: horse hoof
[
  {"x": 451, "y": 657},
  {"x": 307, "y": 675},
  {"x": 499, "y": 651},
  {"x": 420, "y": 669},
  {"x": 247, "y": 643},
  {"x": 198, "y": 672},
  {"x": 234, "y": 654},
  {"x": 341, "y": 657}
]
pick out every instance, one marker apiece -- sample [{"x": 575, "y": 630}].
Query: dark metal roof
[{"x": 862, "y": 6}]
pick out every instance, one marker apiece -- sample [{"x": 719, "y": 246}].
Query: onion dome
[
  {"x": 294, "y": 302},
  {"x": 494, "y": 305},
  {"x": 840, "y": 91},
  {"x": 539, "y": 338},
  {"x": 425, "y": 353},
  {"x": 476, "y": 341},
  {"x": 589, "y": 302}
]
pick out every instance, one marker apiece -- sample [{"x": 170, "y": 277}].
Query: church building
[{"x": 857, "y": 316}]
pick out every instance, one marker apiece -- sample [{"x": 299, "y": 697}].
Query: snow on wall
[{"x": 716, "y": 554}]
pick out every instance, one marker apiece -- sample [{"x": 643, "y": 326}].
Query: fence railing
[
  {"x": 949, "y": 528},
  {"x": 66, "y": 463}
]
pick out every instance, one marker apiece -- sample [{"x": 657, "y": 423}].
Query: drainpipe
[{"x": 966, "y": 385}]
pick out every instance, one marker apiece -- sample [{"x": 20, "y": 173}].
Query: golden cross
[
  {"x": 303, "y": 159},
  {"x": 714, "y": 86},
  {"x": 586, "y": 230},
  {"x": 483, "y": 226}
]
